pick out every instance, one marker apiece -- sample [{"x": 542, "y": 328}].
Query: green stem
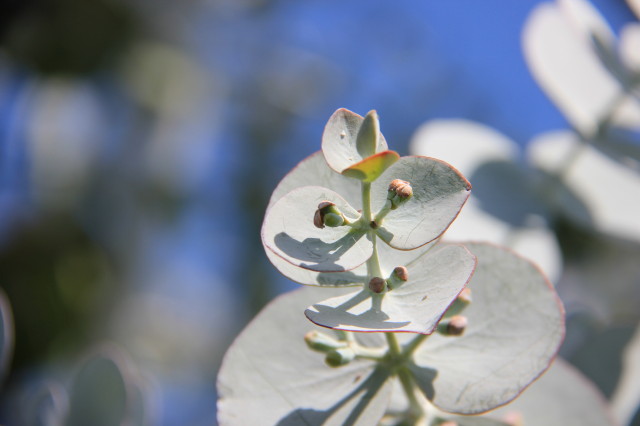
[
  {"x": 366, "y": 201},
  {"x": 410, "y": 347},
  {"x": 395, "y": 352}
]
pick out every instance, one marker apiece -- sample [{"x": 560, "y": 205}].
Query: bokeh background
[{"x": 140, "y": 141}]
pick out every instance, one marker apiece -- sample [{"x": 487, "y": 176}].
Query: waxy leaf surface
[
  {"x": 561, "y": 396},
  {"x": 289, "y": 232},
  {"x": 515, "y": 326},
  {"x": 439, "y": 192},
  {"x": 270, "y": 377},
  {"x": 339, "y": 140},
  {"x": 417, "y": 305}
]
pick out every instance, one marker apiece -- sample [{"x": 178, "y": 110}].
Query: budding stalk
[
  {"x": 454, "y": 326},
  {"x": 399, "y": 192},
  {"x": 377, "y": 285}
]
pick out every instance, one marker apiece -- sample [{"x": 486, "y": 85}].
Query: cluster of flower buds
[
  {"x": 337, "y": 352},
  {"x": 399, "y": 192},
  {"x": 328, "y": 214}
]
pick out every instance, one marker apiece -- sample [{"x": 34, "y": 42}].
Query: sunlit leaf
[
  {"x": 6, "y": 334},
  {"x": 288, "y": 230},
  {"x": 389, "y": 259},
  {"x": 339, "y": 140},
  {"x": 99, "y": 394},
  {"x": 515, "y": 326},
  {"x": 415, "y": 306},
  {"x": 371, "y": 167},
  {"x": 439, "y": 191},
  {"x": 314, "y": 171},
  {"x": 561, "y": 396},
  {"x": 270, "y": 377}
]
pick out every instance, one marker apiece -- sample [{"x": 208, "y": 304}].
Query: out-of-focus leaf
[
  {"x": 462, "y": 143},
  {"x": 515, "y": 326},
  {"x": 605, "y": 187},
  {"x": 99, "y": 392},
  {"x": 561, "y": 396},
  {"x": 371, "y": 167},
  {"x": 635, "y": 6},
  {"x": 288, "y": 230},
  {"x": 416, "y": 306},
  {"x": 468, "y": 146},
  {"x": 47, "y": 406},
  {"x": 6, "y": 334},
  {"x": 339, "y": 140},
  {"x": 629, "y": 46},
  {"x": 626, "y": 398},
  {"x": 620, "y": 144},
  {"x": 270, "y": 377},
  {"x": 439, "y": 191},
  {"x": 559, "y": 49}
]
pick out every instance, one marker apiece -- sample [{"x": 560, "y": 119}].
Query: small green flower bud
[
  {"x": 333, "y": 220},
  {"x": 321, "y": 342},
  {"x": 328, "y": 214},
  {"x": 399, "y": 191},
  {"x": 453, "y": 326},
  {"x": 340, "y": 356},
  {"x": 377, "y": 285},
  {"x": 462, "y": 301},
  {"x": 401, "y": 273},
  {"x": 367, "y": 139}
]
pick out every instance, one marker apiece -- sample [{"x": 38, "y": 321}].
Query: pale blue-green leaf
[
  {"x": 416, "y": 306},
  {"x": 515, "y": 326},
  {"x": 626, "y": 398},
  {"x": 6, "y": 334},
  {"x": 269, "y": 376},
  {"x": 439, "y": 191},
  {"x": 389, "y": 259},
  {"x": 314, "y": 171},
  {"x": 561, "y": 396},
  {"x": 339, "y": 140},
  {"x": 288, "y": 230},
  {"x": 99, "y": 392}
]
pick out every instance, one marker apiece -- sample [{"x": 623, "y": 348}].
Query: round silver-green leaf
[
  {"x": 561, "y": 396},
  {"x": 515, "y": 326},
  {"x": 439, "y": 192},
  {"x": 339, "y": 140},
  {"x": 416, "y": 306},
  {"x": 270, "y": 377},
  {"x": 288, "y": 230}
]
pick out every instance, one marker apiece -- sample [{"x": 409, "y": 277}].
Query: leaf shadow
[
  {"x": 374, "y": 318},
  {"x": 424, "y": 378},
  {"x": 315, "y": 254},
  {"x": 368, "y": 389}
]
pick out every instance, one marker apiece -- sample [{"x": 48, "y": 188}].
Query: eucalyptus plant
[{"x": 447, "y": 329}]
